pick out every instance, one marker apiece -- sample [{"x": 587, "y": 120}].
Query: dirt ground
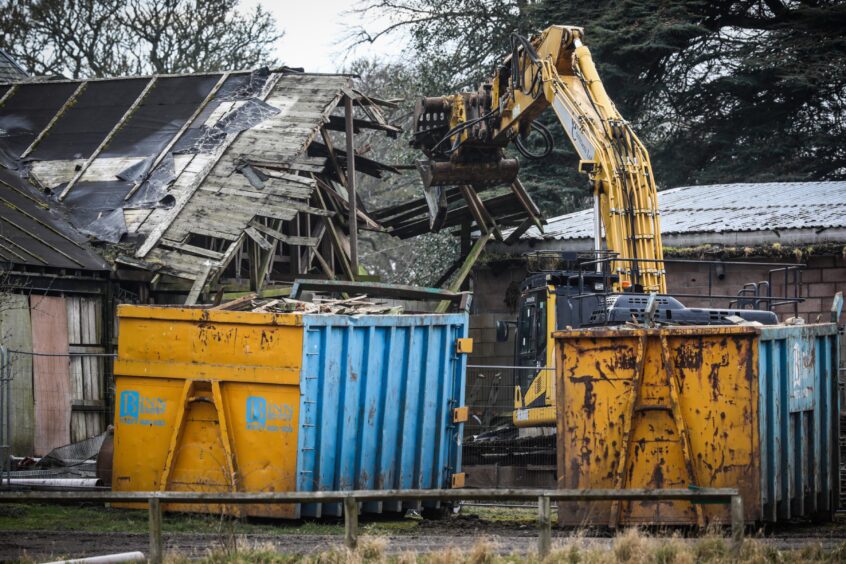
[{"x": 511, "y": 532}]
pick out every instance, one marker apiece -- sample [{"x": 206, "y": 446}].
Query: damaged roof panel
[
  {"x": 227, "y": 201},
  {"x": 179, "y": 170},
  {"x": 160, "y": 115},
  {"x": 33, "y": 234}
]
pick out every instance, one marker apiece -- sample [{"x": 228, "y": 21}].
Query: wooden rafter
[
  {"x": 61, "y": 111},
  {"x": 167, "y": 148},
  {"x": 109, "y": 136}
]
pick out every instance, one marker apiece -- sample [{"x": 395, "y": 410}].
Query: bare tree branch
[{"x": 99, "y": 38}]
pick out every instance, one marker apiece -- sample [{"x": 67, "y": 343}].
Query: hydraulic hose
[{"x": 549, "y": 143}]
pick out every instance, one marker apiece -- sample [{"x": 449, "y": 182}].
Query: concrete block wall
[
  {"x": 821, "y": 279},
  {"x": 486, "y": 349}
]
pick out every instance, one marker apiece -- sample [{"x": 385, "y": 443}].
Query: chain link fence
[{"x": 496, "y": 453}]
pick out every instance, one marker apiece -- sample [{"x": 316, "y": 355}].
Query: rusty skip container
[
  {"x": 220, "y": 401},
  {"x": 754, "y": 408}
]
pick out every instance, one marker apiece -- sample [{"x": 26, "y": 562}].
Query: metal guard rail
[{"x": 351, "y": 499}]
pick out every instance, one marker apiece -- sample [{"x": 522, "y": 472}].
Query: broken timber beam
[
  {"x": 292, "y": 240},
  {"x": 375, "y": 290},
  {"x": 351, "y": 197},
  {"x": 465, "y": 269},
  {"x": 335, "y": 238}
]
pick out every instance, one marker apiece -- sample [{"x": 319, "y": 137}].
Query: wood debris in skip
[{"x": 358, "y": 305}]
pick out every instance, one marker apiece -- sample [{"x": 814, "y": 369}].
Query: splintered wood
[{"x": 358, "y": 305}]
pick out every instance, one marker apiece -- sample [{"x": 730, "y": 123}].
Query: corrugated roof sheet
[
  {"x": 723, "y": 208},
  {"x": 10, "y": 70}
]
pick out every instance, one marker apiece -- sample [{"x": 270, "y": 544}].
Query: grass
[
  {"x": 630, "y": 547},
  {"x": 98, "y": 519}
]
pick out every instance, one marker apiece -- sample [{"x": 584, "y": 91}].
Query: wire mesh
[
  {"x": 5, "y": 416},
  {"x": 495, "y": 452},
  {"x": 842, "y": 391},
  {"x": 68, "y": 421}
]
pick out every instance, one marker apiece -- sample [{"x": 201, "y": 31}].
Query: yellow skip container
[
  {"x": 219, "y": 401},
  {"x": 753, "y": 408}
]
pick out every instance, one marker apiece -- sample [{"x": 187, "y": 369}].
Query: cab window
[
  {"x": 541, "y": 336},
  {"x": 532, "y": 331},
  {"x": 525, "y": 331}
]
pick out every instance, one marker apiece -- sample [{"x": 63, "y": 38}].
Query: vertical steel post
[
  {"x": 350, "y": 523},
  {"x": 156, "y": 548},
  {"x": 3, "y": 453},
  {"x": 353, "y": 202},
  {"x": 737, "y": 521},
  {"x": 5, "y": 415},
  {"x": 545, "y": 526}
]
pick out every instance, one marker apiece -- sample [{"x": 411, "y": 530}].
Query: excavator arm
[{"x": 464, "y": 137}]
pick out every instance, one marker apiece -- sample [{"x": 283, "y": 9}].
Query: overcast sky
[{"x": 314, "y": 33}]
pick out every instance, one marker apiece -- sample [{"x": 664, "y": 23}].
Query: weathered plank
[
  {"x": 191, "y": 249},
  {"x": 78, "y": 430},
  {"x": 93, "y": 367},
  {"x": 50, "y": 373},
  {"x": 287, "y": 239},
  {"x": 16, "y": 334}
]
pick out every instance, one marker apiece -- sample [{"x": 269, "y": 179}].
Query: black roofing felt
[
  {"x": 28, "y": 111},
  {"x": 32, "y": 233},
  {"x": 84, "y": 125},
  {"x": 161, "y": 114}
]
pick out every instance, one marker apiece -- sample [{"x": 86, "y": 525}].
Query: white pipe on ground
[
  {"x": 105, "y": 559},
  {"x": 61, "y": 482}
]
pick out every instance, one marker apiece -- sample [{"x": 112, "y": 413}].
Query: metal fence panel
[{"x": 496, "y": 454}]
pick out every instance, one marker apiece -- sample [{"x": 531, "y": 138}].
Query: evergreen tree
[{"x": 719, "y": 91}]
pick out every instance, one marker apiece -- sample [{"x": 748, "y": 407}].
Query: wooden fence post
[
  {"x": 545, "y": 526},
  {"x": 350, "y": 523},
  {"x": 156, "y": 549},
  {"x": 738, "y": 521}
]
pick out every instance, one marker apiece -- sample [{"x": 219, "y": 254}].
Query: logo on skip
[
  {"x": 136, "y": 409},
  {"x": 268, "y": 416}
]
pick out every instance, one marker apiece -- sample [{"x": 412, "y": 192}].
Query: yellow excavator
[{"x": 464, "y": 136}]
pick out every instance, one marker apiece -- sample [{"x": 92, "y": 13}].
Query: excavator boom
[{"x": 464, "y": 137}]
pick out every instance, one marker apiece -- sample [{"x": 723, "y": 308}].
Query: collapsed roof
[
  {"x": 176, "y": 174},
  {"x": 186, "y": 181}
]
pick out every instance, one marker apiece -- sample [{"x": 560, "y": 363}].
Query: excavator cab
[{"x": 564, "y": 290}]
